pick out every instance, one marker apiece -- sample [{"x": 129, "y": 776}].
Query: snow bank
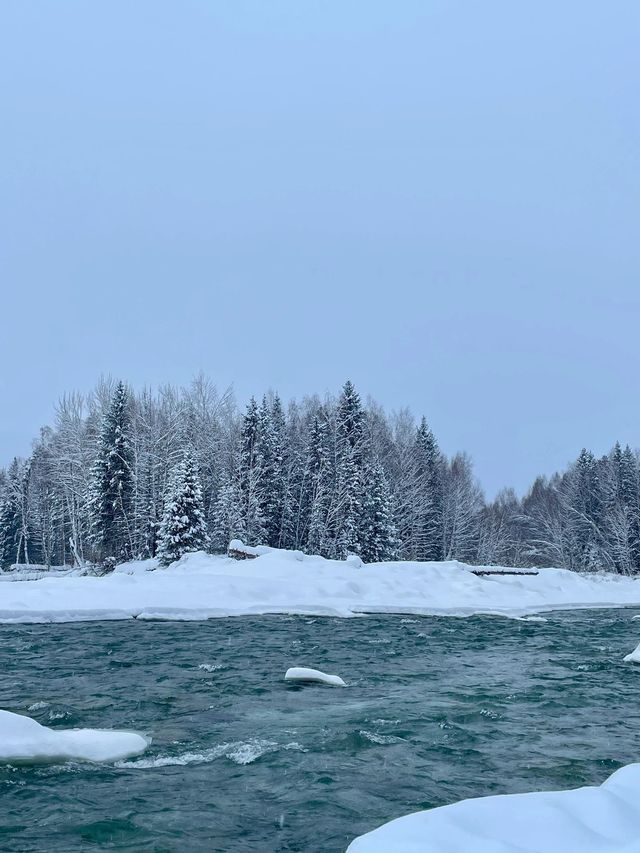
[
  {"x": 305, "y": 674},
  {"x": 23, "y": 739},
  {"x": 603, "y": 819},
  {"x": 201, "y": 586}
]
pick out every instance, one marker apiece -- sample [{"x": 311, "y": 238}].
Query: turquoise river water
[{"x": 437, "y": 709}]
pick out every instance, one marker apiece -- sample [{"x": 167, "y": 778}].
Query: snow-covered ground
[
  {"x": 201, "y": 586},
  {"x": 603, "y": 819},
  {"x": 23, "y": 739}
]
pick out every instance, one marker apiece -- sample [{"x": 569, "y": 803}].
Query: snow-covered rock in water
[
  {"x": 634, "y": 656},
  {"x": 24, "y": 739},
  {"x": 305, "y": 674},
  {"x": 603, "y": 819}
]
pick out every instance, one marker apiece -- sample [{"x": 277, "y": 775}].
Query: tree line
[{"x": 124, "y": 475}]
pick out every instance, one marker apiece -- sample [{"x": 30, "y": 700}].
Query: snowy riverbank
[
  {"x": 201, "y": 586},
  {"x": 589, "y": 820}
]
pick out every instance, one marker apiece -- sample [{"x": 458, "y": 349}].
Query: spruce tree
[
  {"x": 427, "y": 496},
  {"x": 272, "y": 482},
  {"x": 227, "y": 521},
  {"x": 319, "y": 483},
  {"x": 377, "y": 531},
  {"x": 15, "y": 524},
  {"x": 350, "y": 454},
  {"x": 111, "y": 493},
  {"x": 183, "y": 528},
  {"x": 252, "y": 469}
]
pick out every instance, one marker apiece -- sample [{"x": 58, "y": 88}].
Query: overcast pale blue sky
[{"x": 438, "y": 199}]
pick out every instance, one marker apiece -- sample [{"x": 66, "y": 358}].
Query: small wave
[
  {"x": 374, "y": 737},
  {"x": 211, "y": 667},
  {"x": 240, "y": 752},
  {"x": 38, "y": 706},
  {"x": 380, "y": 640},
  {"x": 58, "y": 715},
  {"x": 176, "y": 760},
  {"x": 492, "y": 715}
]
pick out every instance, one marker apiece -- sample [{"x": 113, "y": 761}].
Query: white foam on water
[
  {"x": 181, "y": 760},
  {"x": 240, "y": 752},
  {"x": 212, "y": 667},
  {"x": 374, "y": 737}
]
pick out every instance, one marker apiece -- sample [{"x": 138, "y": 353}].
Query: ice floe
[
  {"x": 633, "y": 657},
  {"x": 25, "y": 740},
  {"x": 305, "y": 674}
]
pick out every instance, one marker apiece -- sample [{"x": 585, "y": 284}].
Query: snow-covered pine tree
[
  {"x": 227, "y": 521},
  {"x": 294, "y": 480},
  {"x": 428, "y": 496},
  {"x": 585, "y": 505},
  {"x": 272, "y": 477},
  {"x": 8, "y": 531},
  {"x": 252, "y": 477},
  {"x": 630, "y": 494},
  {"x": 319, "y": 485},
  {"x": 111, "y": 489},
  {"x": 377, "y": 534},
  {"x": 350, "y": 453},
  {"x": 15, "y": 524},
  {"x": 183, "y": 527}
]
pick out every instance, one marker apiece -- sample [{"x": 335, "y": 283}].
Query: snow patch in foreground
[
  {"x": 603, "y": 819},
  {"x": 305, "y": 675},
  {"x": 25, "y": 740}
]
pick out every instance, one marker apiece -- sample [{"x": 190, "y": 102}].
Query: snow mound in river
[
  {"x": 306, "y": 674},
  {"x": 603, "y": 819},
  {"x": 24, "y": 739},
  {"x": 633, "y": 657}
]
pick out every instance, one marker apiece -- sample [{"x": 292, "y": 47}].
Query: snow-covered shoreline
[
  {"x": 604, "y": 819},
  {"x": 201, "y": 586}
]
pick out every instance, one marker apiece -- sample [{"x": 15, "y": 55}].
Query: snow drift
[
  {"x": 603, "y": 819},
  {"x": 201, "y": 586},
  {"x": 23, "y": 739}
]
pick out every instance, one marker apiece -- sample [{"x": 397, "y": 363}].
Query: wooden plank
[{"x": 481, "y": 572}]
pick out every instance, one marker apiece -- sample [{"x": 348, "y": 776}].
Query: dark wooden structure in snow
[{"x": 482, "y": 572}]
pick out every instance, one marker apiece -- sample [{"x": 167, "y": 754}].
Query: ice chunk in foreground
[
  {"x": 634, "y": 656},
  {"x": 303, "y": 673},
  {"x": 24, "y": 739},
  {"x": 603, "y": 819}
]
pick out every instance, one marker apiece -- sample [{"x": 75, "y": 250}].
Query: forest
[{"x": 124, "y": 474}]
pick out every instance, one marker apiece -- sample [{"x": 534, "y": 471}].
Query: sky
[{"x": 439, "y": 200}]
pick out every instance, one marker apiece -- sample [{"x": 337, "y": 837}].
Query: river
[{"x": 437, "y": 709}]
